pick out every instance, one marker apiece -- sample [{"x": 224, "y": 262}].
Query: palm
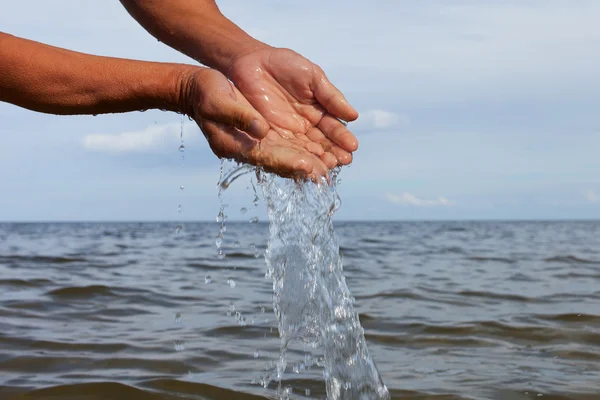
[
  {"x": 295, "y": 97},
  {"x": 286, "y": 157},
  {"x": 217, "y": 105}
]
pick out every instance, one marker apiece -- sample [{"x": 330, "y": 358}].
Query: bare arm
[
  {"x": 53, "y": 80},
  {"x": 196, "y": 28}
]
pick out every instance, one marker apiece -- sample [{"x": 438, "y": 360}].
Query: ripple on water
[{"x": 81, "y": 320}]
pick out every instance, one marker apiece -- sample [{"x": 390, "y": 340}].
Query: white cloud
[
  {"x": 408, "y": 199},
  {"x": 153, "y": 138},
  {"x": 592, "y": 196},
  {"x": 379, "y": 119}
]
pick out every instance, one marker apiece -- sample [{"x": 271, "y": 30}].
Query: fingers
[
  {"x": 223, "y": 103},
  {"x": 292, "y": 163},
  {"x": 329, "y": 160},
  {"x": 243, "y": 117},
  {"x": 337, "y": 132},
  {"x": 331, "y": 98},
  {"x": 274, "y": 153},
  {"x": 227, "y": 142},
  {"x": 342, "y": 156}
]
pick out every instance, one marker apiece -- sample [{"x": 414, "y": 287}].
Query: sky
[{"x": 468, "y": 110}]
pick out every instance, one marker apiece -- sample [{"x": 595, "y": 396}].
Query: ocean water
[{"x": 451, "y": 310}]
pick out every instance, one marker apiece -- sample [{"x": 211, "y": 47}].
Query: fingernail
[{"x": 255, "y": 128}]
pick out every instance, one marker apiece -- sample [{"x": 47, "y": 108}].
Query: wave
[
  {"x": 216, "y": 267},
  {"x": 41, "y": 259},
  {"x": 497, "y": 296},
  {"x": 82, "y": 291},
  {"x": 572, "y": 317},
  {"x": 172, "y": 389},
  {"x": 32, "y": 283},
  {"x": 492, "y": 259},
  {"x": 570, "y": 259}
]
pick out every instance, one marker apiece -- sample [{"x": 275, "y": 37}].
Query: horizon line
[{"x": 154, "y": 221}]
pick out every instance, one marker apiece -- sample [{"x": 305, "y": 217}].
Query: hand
[
  {"x": 297, "y": 100},
  {"x": 234, "y": 129}
]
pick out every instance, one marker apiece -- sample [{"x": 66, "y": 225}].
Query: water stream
[{"x": 311, "y": 300}]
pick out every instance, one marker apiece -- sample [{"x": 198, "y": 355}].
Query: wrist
[
  {"x": 241, "y": 50},
  {"x": 174, "y": 90}
]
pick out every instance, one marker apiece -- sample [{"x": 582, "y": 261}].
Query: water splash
[
  {"x": 311, "y": 299},
  {"x": 312, "y": 302}
]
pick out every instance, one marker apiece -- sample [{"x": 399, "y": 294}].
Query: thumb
[{"x": 244, "y": 117}]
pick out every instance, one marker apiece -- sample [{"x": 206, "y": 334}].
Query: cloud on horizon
[
  {"x": 379, "y": 119},
  {"x": 592, "y": 196},
  {"x": 409, "y": 199},
  {"x": 154, "y": 138}
]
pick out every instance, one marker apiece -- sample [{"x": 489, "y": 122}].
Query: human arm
[
  {"x": 52, "y": 80},
  {"x": 292, "y": 93}
]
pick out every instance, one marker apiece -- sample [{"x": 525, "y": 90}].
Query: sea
[{"x": 450, "y": 310}]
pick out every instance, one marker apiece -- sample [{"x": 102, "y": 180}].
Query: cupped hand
[
  {"x": 234, "y": 129},
  {"x": 298, "y": 101}
]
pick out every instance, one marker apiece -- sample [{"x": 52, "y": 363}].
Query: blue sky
[{"x": 469, "y": 110}]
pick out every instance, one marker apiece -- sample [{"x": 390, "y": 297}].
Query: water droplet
[
  {"x": 178, "y": 317},
  {"x": 243, "y": 210},
  {"x": 231, "y": 283},
  {"x": 94, "y": 115},
  {"x": 220, "y": 254},
  {"x": 269, "y": 273},
  {"x": 253, "y": 220},
  {"x": 255, "y": 250},
  {"x": 256, "y": 354},
  {"x": 179, "y": 209},
  {"x": 231, "y": 310},
  {"x": 182, "y": 148},
  {"x": 181, "y": 187},
  {"x": 178, "y": 229},
  {"x": 220, "y": 217},
  {"x": 307, "y": 392},
  {"x": 179, "y": 345},
  {"x": 262, "y": 310},
  {"x": 207, "y": 280},
  {"x": 219, "y": 241}
]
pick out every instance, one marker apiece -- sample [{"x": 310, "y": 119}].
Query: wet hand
[
  {"x": 298, "y": 101},
  {"x": 234, "y": 129}
]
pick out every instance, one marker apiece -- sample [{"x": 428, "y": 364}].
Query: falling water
[
  {"x": 311, "y": 299},
  {"x": 312, "y": 302},
  {"x": 181, "y": 148}
]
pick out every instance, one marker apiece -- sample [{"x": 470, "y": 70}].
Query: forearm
[
  {"x": 196, "y": 28},
  {"x": 58, "y": 81}
]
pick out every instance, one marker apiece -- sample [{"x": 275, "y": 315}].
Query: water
[
  {"x": 450, "y": 310},
  {"x": 311, "y": 299}
]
